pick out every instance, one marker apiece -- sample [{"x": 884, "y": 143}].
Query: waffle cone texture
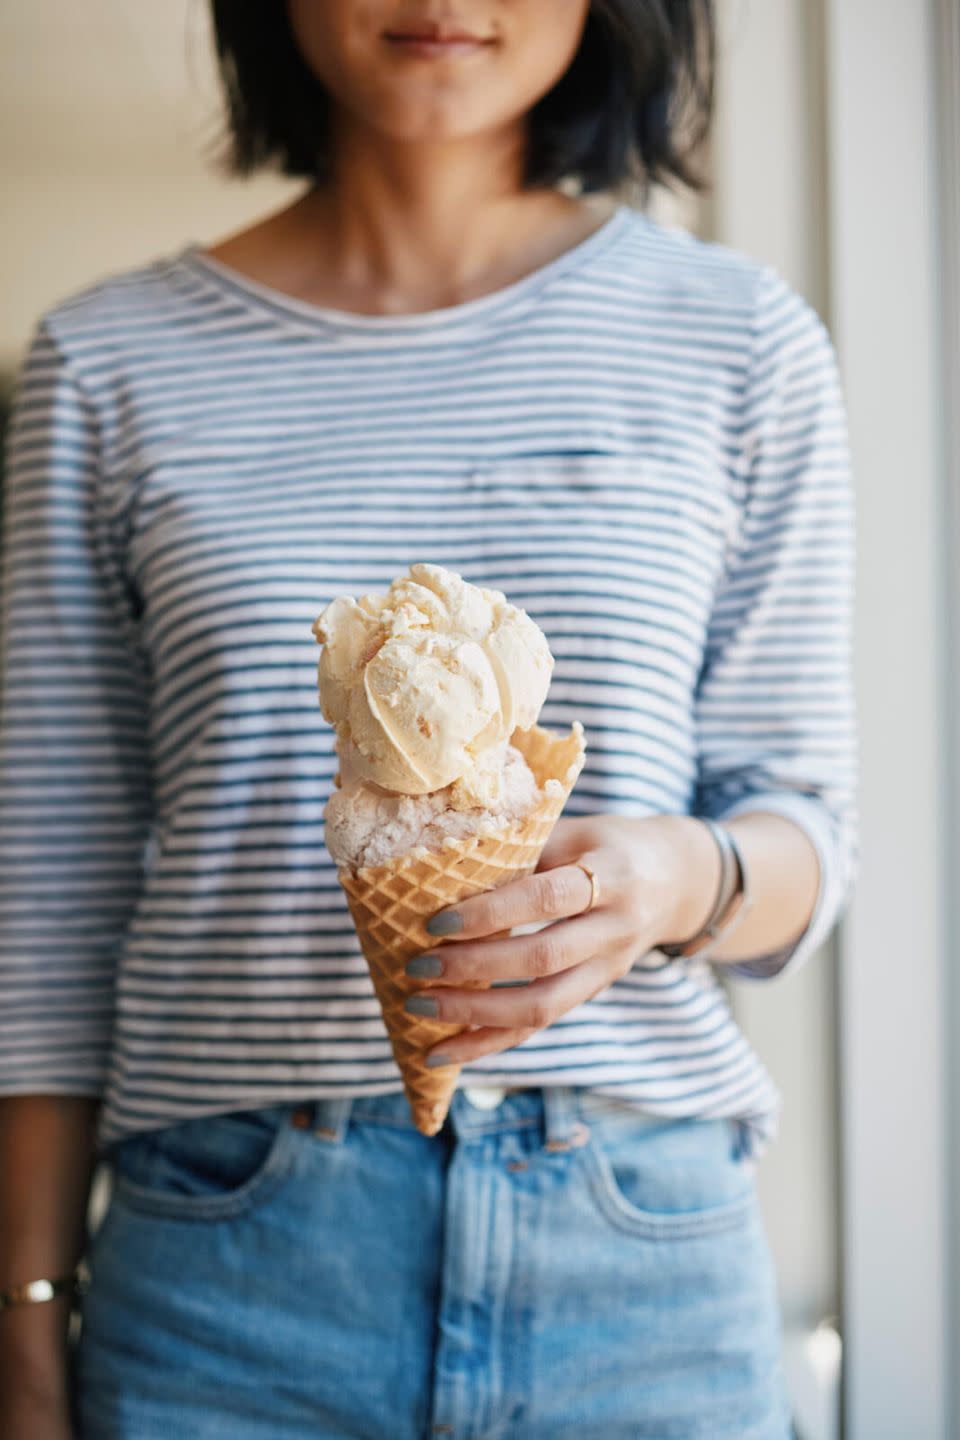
[{"x": 391, "y": 904}]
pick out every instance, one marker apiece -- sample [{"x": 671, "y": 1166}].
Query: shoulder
[
  {"x": 713, "y": 283},
  {"x": 95, "y": 330},
  {"x": 685, "y": 268}
]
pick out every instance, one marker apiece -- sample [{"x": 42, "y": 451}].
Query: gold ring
[{"x": 594, "y": 886}]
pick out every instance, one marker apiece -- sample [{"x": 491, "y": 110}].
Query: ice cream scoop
[
  {"x": 365, "y": 825},
  {"x": 425, "y": 684}
]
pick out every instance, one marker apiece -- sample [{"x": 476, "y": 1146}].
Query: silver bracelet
[{"x": 732, "y": 899}]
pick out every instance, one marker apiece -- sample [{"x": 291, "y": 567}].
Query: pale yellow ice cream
[
  {"x": 424, "y": 685},
  {"x": 364, "y": 825}
]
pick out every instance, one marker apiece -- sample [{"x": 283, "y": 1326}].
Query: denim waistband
[{"x": 556, "y": 1110}]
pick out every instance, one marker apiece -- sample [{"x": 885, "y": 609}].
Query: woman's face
[{"x": 429, "y": 70}]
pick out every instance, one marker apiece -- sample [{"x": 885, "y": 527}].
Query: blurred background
[{"x": 835, "y": 157}]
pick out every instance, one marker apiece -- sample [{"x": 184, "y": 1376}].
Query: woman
[{"x": 455, "y": 346}]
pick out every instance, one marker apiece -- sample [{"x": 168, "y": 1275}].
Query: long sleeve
[
  {"x": 775, "y": 712},
  {"x": 74, "y": 766}
]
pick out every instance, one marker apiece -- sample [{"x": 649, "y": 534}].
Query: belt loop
[
  {"x": 744, "y": 1143},
  {"x": 330, "y": 1118},
  {"x": 562, "y": 1127}
]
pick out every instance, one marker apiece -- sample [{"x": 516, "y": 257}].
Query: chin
[{"x": 451, "y": 119}]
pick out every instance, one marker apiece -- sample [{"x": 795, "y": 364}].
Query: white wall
[
  {"x": 108, "y": 112},
  {"x": 883, "y": 212},
  {"x": 948, "y": 47}
]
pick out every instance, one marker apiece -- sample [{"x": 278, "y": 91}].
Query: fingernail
[
  {"x": 422, "y": 1005},
  {"x": 440, "y": 1060},
  {"x": 425, "y": 967},
  {"x": 447, "y": 922}
]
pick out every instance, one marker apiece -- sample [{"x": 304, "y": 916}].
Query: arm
[
  {"x": 774, "y": 717},
  {"x": 46, "y": 1149},
  {"x": 774, "y": 704},
  {"x": 75, "y": 799},
  {"x": 785, "y": 883},
  {"x": 75, "y": 809}
]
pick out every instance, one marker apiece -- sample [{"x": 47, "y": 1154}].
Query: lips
[{"x": 435, "y": 39}]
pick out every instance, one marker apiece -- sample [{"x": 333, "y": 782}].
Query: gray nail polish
[
  {"x": 425, "y": 967},
  {"x": 422, "y": 1005},
  {"x": 440, "y": 1060},
  {"x": 448, "y": 922}
]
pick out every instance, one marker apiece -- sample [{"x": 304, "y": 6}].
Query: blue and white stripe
[{"x": 642, "y": 443}]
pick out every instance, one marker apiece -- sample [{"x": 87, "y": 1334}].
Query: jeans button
[{"x": 484, "y": 1097}]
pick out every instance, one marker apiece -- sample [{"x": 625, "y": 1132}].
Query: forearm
[
  {"x": 784, "y": 873},
  {"x": 46, "y": 1162}
]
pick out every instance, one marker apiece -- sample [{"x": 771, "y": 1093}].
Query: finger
[
  {"x": 473, "y": 1043},
  {"x": 567, "y": 842},
  {"x": 522, "y": 957},
  {"x": 527, "y": 1007},
  {"x": 554, "y": 894}
]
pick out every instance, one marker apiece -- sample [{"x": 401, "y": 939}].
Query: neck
[{"x": 410, "y": 225}]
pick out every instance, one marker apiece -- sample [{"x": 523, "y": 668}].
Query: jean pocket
[
  {"x": 212, "y": 1168},
  {"x": 669, "y": 1180}
]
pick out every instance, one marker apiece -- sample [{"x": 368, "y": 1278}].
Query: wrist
[
  {"x": 35, "y": 1330},
  {"x": 693, "y": 868},
  {"x": 33, "y": 1338}
]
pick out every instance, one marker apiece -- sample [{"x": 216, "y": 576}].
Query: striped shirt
[{"x": 642, "y": 443}]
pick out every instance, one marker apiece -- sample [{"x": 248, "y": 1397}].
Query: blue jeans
[{"x": 560, "y": 1265}]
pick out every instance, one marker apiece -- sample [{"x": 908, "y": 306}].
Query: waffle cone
[{"x": 391, "y": 904}]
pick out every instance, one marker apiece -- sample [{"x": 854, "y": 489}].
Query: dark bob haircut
[{"x": 633, "y": 106}]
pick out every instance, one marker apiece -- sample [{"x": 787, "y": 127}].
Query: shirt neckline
[{"x": 484, "y": 307}]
